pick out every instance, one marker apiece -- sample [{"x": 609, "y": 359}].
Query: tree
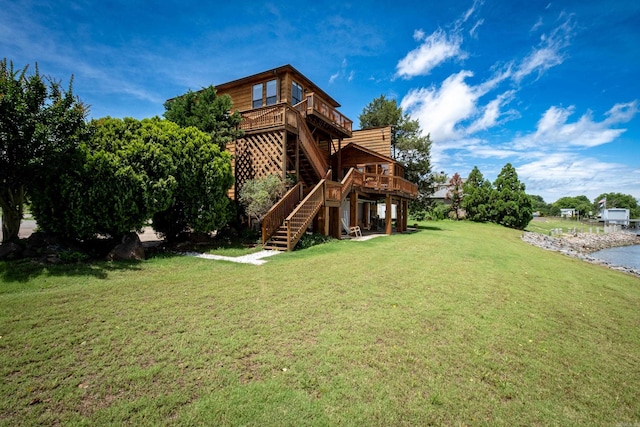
[
  {"x": 477, "y": 197},
  {"x": 409, "y": 147},
  {"x": 511, "y": 204},
  {"x": 260, "y": 194},
  {"x": 208, "y": 112},
  {"x": 539, "y": 205},
  {"x": 581, "y": 204},
  {"x": 204, "y": 175},
  {"x": 39, "y": 125},
  {"x": 124, "y": 175},
  {"x": 618, "y": 200},
  {"x": 455, "y": 194}
]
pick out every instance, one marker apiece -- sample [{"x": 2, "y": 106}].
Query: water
[{"x": 626, "y": 256}]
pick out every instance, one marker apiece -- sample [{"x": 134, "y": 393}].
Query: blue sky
[{"x": 551, "y": 87}]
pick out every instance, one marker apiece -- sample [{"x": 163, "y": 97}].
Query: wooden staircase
[{"x": 285, "y": 236}]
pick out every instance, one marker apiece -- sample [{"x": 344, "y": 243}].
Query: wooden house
[{"x": 293, "y": 129}]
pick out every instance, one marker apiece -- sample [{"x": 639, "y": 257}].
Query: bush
[
  {"x": 204, "y": 175},
  {"x": 309, "y": 240},
  {"x": 118, "y": 179}
]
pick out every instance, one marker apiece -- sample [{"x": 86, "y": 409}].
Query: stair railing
[
  {"x": 309, "y": 145},
  {"x": 298, "y": 221},
  {"x": 278, "y": 212}
]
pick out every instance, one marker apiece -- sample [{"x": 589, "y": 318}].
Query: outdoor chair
[{"x": 353, "y": 230}]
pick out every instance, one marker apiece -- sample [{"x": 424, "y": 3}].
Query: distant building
[
  {"x": 617, "y": 216},
  {"x": 567, "y": 213}
]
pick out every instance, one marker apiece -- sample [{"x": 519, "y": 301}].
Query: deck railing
[
  {"x": 333, "y": 191},
  {"x": 314, "y": 105},
  {"x": 264, "y": 117},
  {"x": 278, "y": 212},
  {"x": 389, "y": 183}
]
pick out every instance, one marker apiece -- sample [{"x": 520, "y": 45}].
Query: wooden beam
[
  {"x": 335, "y": 229},
  {"x": 339, "y": 160},
  {"x": 353, "y": 209},
  {"x": 387, "y": 218}
]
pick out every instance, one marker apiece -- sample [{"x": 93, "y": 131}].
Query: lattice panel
[{"x": 259, "y": 155}]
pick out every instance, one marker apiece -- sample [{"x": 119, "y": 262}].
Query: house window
[
  {"x": 296, "y": 93},
  {"x": 269, "y": 88},
  {"x": 272, "y": 92},
  {"x": 257, "y": 96}
]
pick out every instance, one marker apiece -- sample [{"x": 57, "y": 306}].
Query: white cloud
[
  {"x": 473, "y": 32},
  {"x": 435, "y": 49},
  {"x": 537, "y": 25},
  {"x": 566, "y": 174},
  {"x": 445, "y": 112},
  {"x": 549, "y": 52},
  {"x": 440, "y": 110},
  {"x": 492, "y": 113},
  {"x": 554, "y": 130}
]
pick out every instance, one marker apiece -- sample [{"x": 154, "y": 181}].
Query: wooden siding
[
  {"x": 241, "y": 91},
  {"x": 376, "y": 139}
]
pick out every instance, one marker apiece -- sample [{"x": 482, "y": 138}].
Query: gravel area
[{"x": 580, "y": 245}]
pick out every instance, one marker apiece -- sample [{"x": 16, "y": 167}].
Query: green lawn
[
  {"x": 544, "y": 225},
  {"x": 456, "y": 324}
]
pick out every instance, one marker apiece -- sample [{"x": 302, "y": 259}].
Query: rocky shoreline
[{"x": 580, "y": 245}]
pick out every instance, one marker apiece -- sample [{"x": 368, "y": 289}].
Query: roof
[
  {"x": 276, "y": 72},
  {"x": 354, "y": 146}
]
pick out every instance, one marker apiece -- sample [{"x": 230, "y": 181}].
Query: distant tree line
[{"x": 585, "y": 207}]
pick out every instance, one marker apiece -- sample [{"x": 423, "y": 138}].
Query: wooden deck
[
  {"x": 287, "y": 221},
  {"x": 318, "y": 112}
]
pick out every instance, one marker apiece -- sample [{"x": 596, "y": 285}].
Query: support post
[
  {"x": 387, "y": 217},
  {"x": 353, "y": 209}
]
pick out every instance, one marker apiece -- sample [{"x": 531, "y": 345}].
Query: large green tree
[
  {"x": 124, "y": 175},
  {"x": 478, "y": 194},
  {"x": 511, "y": 205},
  {"x": 208, "y": 112},
  {"x": 204, "y": 175},
  {"x": 40, "y": 124},
  {"x": 409, "y": 146}
]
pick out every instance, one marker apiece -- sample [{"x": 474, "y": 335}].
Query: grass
[
  {"x": 456, "y": 324},
  {"x": 544, "y": 225}
]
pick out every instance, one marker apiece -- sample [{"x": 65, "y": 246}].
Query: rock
[
  {"x": 582, "y": 244},
  {"x": 130, "y": 249},
  {"x": 10, "y": 250}
]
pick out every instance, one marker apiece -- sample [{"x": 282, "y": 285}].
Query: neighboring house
[
  {"x": 441, "y": 192},
  {"x": 293, "y": 128}
]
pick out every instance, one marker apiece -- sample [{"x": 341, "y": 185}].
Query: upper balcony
[{"x": 323, "y": 115}]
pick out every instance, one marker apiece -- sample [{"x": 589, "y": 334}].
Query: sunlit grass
[
  {"x": 544, "y": 225},
  {"x": 456, "y": 324}
]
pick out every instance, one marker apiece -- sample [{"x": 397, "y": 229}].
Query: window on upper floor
[
  {"x": 296, "y": 93},
  {"x": 257, "y": 95},
  {"x": 270, "y": 89},
  {"x": 272, "y": 92}
]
